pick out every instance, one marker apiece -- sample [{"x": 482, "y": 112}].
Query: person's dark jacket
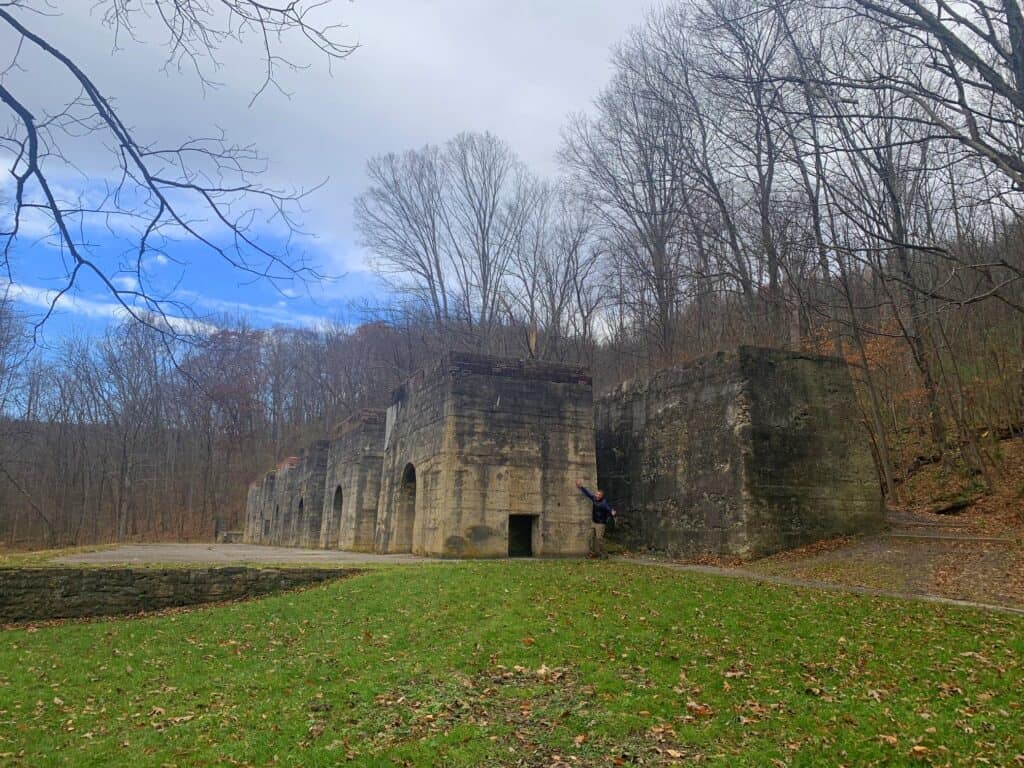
[{"x": 601, "y": 511}]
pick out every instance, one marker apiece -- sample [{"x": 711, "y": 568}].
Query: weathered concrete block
[
  {"x": 743, "y": 453},
  {"x": 286, "y": 507},
  {"x": 481, "y": 450},
  {"x": 259, "y": 511},
  {"x": 352, "y": 490}
]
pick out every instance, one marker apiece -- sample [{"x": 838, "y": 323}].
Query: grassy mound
[{"x": 521, "y": 663}]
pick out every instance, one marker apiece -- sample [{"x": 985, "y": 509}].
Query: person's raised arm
[{"x": 584, "y": 491}]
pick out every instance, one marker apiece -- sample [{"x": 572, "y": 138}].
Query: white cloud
[
  {"x": 45, "y": 298},
  {"x": 125, "y": 282},
  {"x": 279, "y": 313},
  {"x": 424, "y": 72}
]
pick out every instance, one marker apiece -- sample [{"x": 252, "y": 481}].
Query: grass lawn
[
  {"x": 20, "y": 559},
  {"x": 522, "y": 663}
]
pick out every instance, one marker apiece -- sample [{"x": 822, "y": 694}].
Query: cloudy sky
[{"x": 424, "y": 70}]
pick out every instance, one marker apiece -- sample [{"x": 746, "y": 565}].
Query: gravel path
[{"x": 227, "y": 554}]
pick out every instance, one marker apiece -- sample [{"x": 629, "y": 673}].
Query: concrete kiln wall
[
  {"x": 811, "y": 474},
  {"x": 669, "y": 457},
  {"x": 521, "y": 434},
  {"x": 259, "y": 511},
  {"x": 416, "y": 451},
  {"x": 487, "y": 438},
  {"x": 354, "y": 464},
  {"x": 286, "y": 507},
  {"x": 743, "y": 453},
  {"x": 252, "y": 513},
  {"x": 303, "y": 497}
]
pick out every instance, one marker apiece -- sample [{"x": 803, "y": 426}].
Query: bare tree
[
  {"x": 401, "y": 219},
  {"x": 204, "y": 189},
  {"x": 490, "y": 200},
  {"x": 444, "y": 225},
  {"x": 967, "y": 72},
  {"x": 628, "y": 162}
]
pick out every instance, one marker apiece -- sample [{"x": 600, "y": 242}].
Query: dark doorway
[
  {"x": 297, "y": 530},
  {"x": 520, "y": 535},
  {"x": 406, "y": 510}
]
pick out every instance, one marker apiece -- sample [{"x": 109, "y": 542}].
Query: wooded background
[{"x": 843, "y": 177}]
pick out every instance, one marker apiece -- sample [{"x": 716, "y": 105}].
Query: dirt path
[
  {"x": 964, "y": 558},
  {"x": 828, "y": 586},
  {"x": 226, "y": 554}
]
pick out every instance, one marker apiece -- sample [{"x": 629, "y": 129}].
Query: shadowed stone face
[
  {"x": 34, "y": 594},
  {"x": 743, "y": 453}
]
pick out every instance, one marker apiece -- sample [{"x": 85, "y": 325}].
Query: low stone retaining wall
[{"x": 37, "y": 594}]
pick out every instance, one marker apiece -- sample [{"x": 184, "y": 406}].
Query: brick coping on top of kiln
[{"x": 357, "y": 420}]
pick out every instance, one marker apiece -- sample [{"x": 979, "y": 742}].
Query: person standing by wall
[{"x": 601, "y": 513}]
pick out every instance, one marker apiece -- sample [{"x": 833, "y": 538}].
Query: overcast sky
[{"x": 425, "y": 70}]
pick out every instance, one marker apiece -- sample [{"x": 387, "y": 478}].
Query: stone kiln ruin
[
  {"x": 476, "y": 457},
  {"x": 744, "y": 453}
]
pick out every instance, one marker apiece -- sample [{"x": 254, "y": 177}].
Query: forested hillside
[{"x": 844, "y": 178}]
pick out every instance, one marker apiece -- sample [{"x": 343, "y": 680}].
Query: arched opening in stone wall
[
  {"x": 336, "y": 507},
  {"x": 406, "y": 512}
]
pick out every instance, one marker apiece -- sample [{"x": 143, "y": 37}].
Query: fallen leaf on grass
[{"x": 699, "y": 709}]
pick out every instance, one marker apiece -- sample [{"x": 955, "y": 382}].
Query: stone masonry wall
[
  {"x": 310, "y": 483},
  {"x": 354, "y": 464},
  {"x": 743, "y": 453},
  {"x": 811, "y": 474},
  {"x": 37, "y": 594},
  {"x": 416, "y": 434},
  {"x": 487, "y": 438},
  {"x": 522, "y": 434},
  {"x": 669, "y": 458},
  {"x": 286, "y": 508},
  {"x": 259, "y": 511}
]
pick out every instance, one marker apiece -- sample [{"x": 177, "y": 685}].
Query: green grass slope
[{"x": 522, "y": 663}]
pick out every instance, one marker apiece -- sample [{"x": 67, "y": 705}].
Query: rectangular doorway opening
[{"x": 520, "y": 535}]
